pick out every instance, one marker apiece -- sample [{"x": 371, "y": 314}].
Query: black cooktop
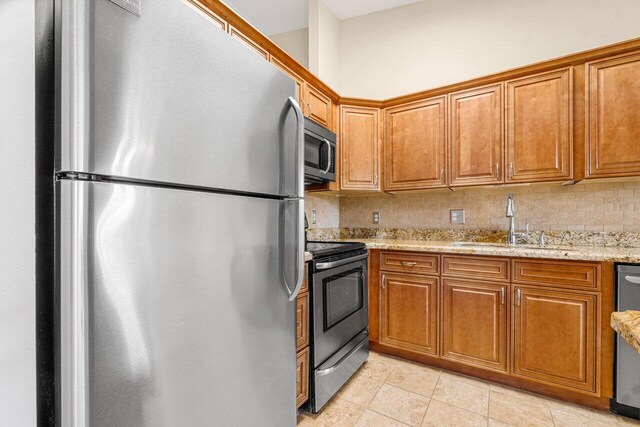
[{"x": 318, "y": 249}]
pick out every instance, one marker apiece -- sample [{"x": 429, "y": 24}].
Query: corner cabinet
[
  {"x": 318, "y": 106},
  {"x": 359, "y": 148},
  {"x": 416, "y": 145},
  {"x": 539, "y": 129},
  {"x": 613, "y": 116},
  {"x": 476, "y": 136}
]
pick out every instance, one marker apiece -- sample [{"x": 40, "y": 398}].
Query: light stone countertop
[
  {"x": 308, "y": 256},
  {"x": 627, "y": 324},
  {"x": 576, "y": 253}
]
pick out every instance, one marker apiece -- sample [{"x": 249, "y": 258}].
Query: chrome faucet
[{"x": 511, "y": 214}]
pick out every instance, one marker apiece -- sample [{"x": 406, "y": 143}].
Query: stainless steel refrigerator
[{"x": 180, "y": 221}]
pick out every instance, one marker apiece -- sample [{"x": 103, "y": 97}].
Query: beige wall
[
  {"x": 17, "y": 210},
  {"x": 295, "y": 43},
  {"x": 324, "y": 43},
  {"x": 592, "y": 206},
  {"x": 438, "y": 42}
]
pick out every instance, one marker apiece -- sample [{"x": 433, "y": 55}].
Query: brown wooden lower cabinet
[
  {"x": 409, "y": 312},
  {"x": 554, "y": 335},
  {"x": 302, "y": 377},
  {"x": 302, "y": 320},
  {"x": 474, "y": 323},
  {"x": 549, "y": 336}
]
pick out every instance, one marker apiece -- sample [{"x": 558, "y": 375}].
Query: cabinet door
[
  {"x": 299, "y": 82},
  {"x": 302, "y": 321},
  {"x": 540, "y": 127},
  {"x": 318, "y": 106},
  {"x": 415, "y": 146},
  {"x": 553, "y": 337},
  {"x": 359, "y": 148},
  {"x": 246, "y": 41},
  {"x": 474, "y": 323},
  {"x": 302, "y": 377},
  {"x": 476, "y": 136},
  {"x": 613, "y": 116},
  {"x": 409, "y": 312}
]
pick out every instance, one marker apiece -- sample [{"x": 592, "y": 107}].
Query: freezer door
[
  {"x": 172, "y": 311},
  {"x": 168, "y": 96}
]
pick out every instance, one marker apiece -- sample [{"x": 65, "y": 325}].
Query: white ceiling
[
  {"x": 279, "y": 16},
  {"x": 345, "y": 9}
]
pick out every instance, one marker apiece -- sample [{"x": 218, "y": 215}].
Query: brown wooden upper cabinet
[
  {"x": 476, "y": 136},
  {"x": 248, "y": 42},
  {"x": 318, "y": 106},
  {"x": 613, "y": 116},
  {"x": 359, "y": 148},
  {"x": 416, "y": 145},
  {"x": 539, "y": 130},
  {"x": 299, "y": 82}
]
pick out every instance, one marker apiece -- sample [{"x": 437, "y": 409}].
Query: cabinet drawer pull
[
  {"x": 409, "y": 263},
  {"x": 502, "y": 295},
  {"x": 511, "y": 170},
  {"x": 382, "y": 281},
  {"x": 518, "y": 297},
  {"x": 498, "y": 170}
]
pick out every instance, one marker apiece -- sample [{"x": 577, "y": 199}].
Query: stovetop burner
[{"x": 322, "y": 249}]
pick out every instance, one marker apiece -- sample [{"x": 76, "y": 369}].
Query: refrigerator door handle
[
  {"x": 299, "y": 248},
  {"x": 299, "y": 147}
]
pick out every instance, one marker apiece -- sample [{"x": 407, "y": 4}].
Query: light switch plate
[
  {"x": 313, "y": 216},
  {"x": 457, "y": 216},
  {"x": 376, "y": 217}
]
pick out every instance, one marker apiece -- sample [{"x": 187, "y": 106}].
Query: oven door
[{"x": 340, "y": 307}]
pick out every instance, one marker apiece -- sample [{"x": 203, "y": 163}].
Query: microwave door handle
[{"x": 326, "y": 171}]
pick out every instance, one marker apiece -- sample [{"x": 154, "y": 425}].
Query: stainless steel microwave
[{"x": 319, "y": 153}]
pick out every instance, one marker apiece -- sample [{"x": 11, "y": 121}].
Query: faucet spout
[{"x": 510, "y": 207}]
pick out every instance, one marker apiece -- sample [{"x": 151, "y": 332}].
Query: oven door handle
[
  {"x": 333, "y": 264},
  {"x": 336, "y": 365}
]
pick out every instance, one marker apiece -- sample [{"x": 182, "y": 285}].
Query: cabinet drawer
[
  {"x": 557, "y": 274},
  {"x": 410, "y": 262},
  {"x": 473, "y": 267},
  {"x": 302, "y": 377},
  {"x": 302, "y": 320},
  {"x": 305, "y": 279}
]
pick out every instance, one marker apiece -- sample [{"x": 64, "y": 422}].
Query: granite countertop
[
  {"x": 627, "y": 324},
  {"x": 308, "y": 256},
  {"x": 578, "y": 253}
]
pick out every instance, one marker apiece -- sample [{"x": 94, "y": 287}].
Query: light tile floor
[{"x": 391, "y": 392}]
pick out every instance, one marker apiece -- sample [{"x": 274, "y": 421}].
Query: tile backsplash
[
  {"x": 327, "y": 210},
  {"x": 590, "y": 206}
]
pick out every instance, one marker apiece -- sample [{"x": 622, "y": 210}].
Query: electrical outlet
[
  {"x": 313, "y": 216},
  {"x": 457, "y": 216},
  {"x": 376, "y": 217}
]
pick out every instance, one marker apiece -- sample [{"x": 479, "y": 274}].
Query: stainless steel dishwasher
[{"x": 627, "y": 398}]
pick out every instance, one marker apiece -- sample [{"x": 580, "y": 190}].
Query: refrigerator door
[
  {"x": 172, "y": 311},
  {"x": 167, "y": 96}
]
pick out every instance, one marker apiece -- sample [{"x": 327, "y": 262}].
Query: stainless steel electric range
[{"x": 339, "y": 317}]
